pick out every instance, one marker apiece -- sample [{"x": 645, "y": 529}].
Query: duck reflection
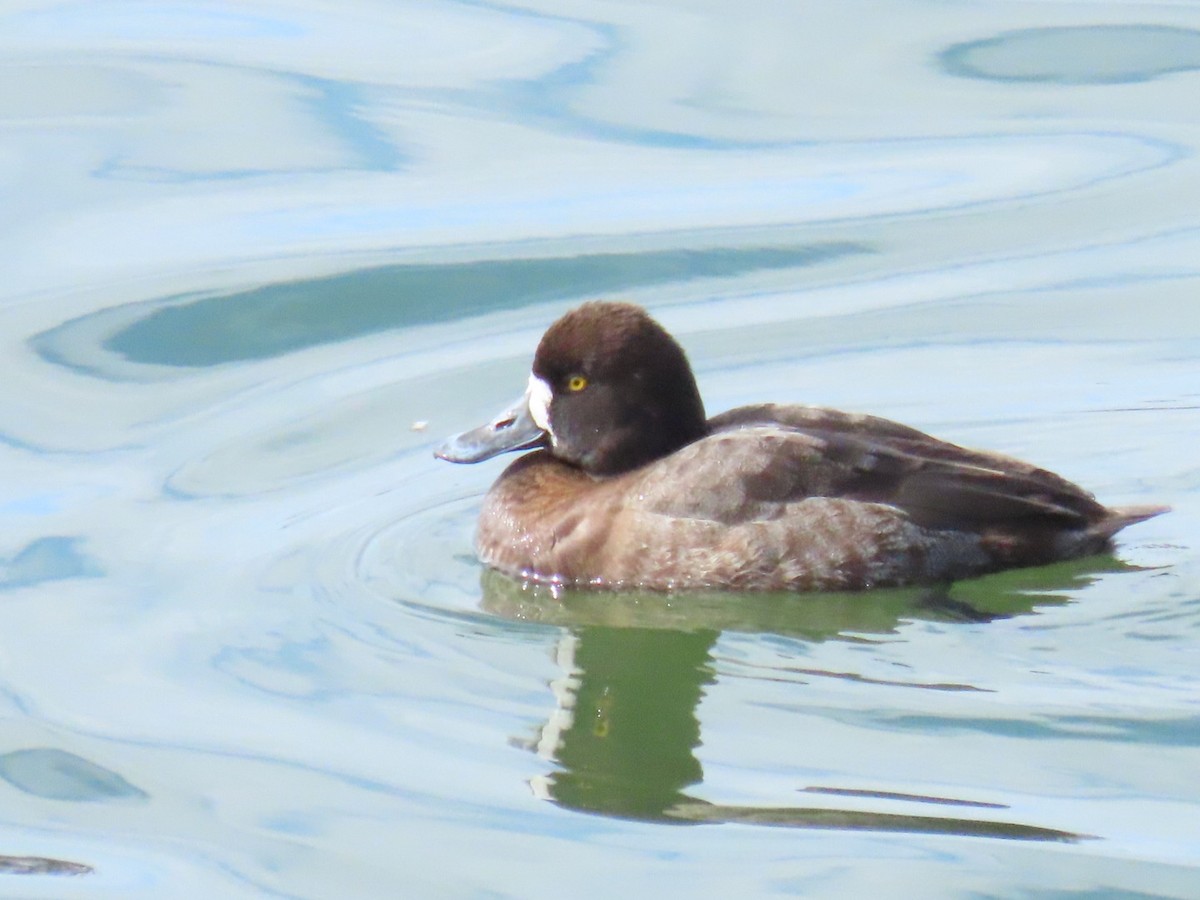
[
  {"x": 626, "y": 726},
  {"x": 635, "y": 666}
]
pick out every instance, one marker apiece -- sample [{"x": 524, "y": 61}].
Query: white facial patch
[{"x": 538, "y": 397}]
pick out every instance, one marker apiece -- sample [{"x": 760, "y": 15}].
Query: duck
[{"x": 626, "y": 484}]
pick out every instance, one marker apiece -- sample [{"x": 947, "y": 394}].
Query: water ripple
[
  {"x": 1082, "y": 54},
  {"x": 260, "y": 258}
]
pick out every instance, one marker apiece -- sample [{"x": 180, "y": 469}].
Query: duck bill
[{"x": 513, "y": 429}]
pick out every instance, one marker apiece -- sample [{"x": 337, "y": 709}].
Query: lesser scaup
[{"x": 629, "y": 484}]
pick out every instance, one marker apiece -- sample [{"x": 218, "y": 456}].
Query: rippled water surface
[{"x": 258, "y": 258}]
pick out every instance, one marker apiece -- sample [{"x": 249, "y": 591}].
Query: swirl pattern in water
[{"x": 259, "y": 259}]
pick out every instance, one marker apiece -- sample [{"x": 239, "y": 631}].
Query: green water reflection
[
  {"x": 628, "y": 751},
  {"x": 626, "y": 729},
  {"x": 1082, "y": 54},
  {"x": 281, "y": 318}
]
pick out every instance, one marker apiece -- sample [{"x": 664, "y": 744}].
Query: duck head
[{"x": 609, "y": 391}]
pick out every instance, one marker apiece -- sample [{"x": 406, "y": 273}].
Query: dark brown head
[{"x": 610, "y": 391}]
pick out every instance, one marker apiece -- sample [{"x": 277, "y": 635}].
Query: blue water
[{"x": 258, "y": 259}]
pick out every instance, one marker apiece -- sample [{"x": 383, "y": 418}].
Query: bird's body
[{"x": 634, "y": 488}]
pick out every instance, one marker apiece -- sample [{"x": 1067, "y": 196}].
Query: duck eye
[{"x": 576, "y": 383}]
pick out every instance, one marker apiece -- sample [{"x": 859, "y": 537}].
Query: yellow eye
[{"x": 576, "y": 383}]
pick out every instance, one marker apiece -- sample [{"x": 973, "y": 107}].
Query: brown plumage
[{"x": 637, "y": 489}]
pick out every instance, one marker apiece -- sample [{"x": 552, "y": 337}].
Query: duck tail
[{"x": 1123, "y": 517}]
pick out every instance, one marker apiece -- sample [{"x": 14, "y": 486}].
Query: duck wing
[{"x": 759, "y": 459}]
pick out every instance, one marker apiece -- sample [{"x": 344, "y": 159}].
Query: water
[{"x": 259, "y": 259}]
